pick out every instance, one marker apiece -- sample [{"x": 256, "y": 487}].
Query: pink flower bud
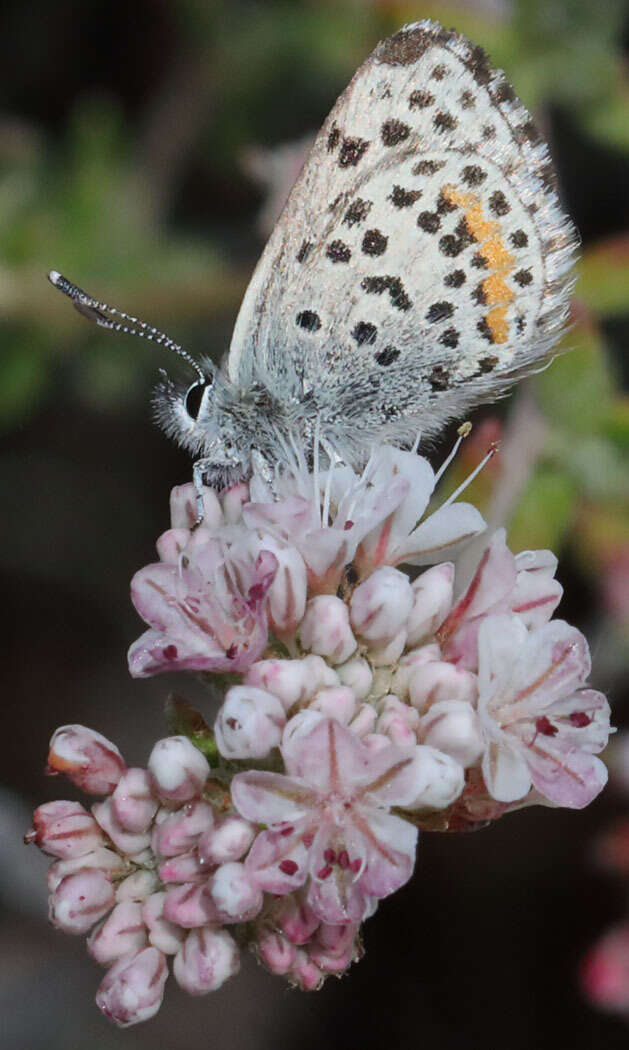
[
  {"x": 138, "y": 886},
  {"x": 336, "y": 702},
  {"x": 286, "y": 679},
  {"x": 318, "y": 675},
  {"x": 183, "y": 507},
  {"x": 305, "y": 973},
  {"x": 122, "y": 931},
  {"x": 334, "y": 948},
  {"x": 179, "y": 770},
  {"x": 286, "y": 602},
  {"x": 65, "y": 830},
  {"x": 295, "y": 918},
  {"x": 365, "y": 721},
  {"x": 229, "y": 839},
  {"x": 383, "y": 654},
  {"x": 88, "y": 759},
  {"x": 453, "y": 726},
  {"x": 409, "y": 663},
  {"x": 432, "y": 601},
  {"x": 398, "y": 721},
  {"x": 274, "y": 950},
  {"x": 185, "y": 867},
  {"x": 180, "y": 831},
  {"x": 80, "y": 900},
  {"x": 206, "y": 960},
  {"x": 234, "y": 892},
  {"x": 250, "y": 723},
  {"x": 129, "y": 842},
  {"x": 440, "y": 779},
  {"x": 133, "y": 803},
  {"x": 170, "y": 545},
  {"x": 189, "y": 905},
  {"x": 357, "y": 674},
  {"x": 133, "y": 989},
  {"x": 164, "y": 935},
  {"x": 300, "y": 724},
  {"x": 441, "y": 681},
  {"x": 325, "y": 629},
  {"x": 105, "y": 859},
  {"x": 381, "y": 605}
]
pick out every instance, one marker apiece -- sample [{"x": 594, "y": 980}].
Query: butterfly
[{"x": 422, "y": 263}]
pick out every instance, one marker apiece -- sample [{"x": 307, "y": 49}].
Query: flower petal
[
  {"x": 270, "y": 798},
  {"x": 571, "y": 780},
  {"x": 442, "y": 535},
  {"x": 391, "y": 844},
  {"x": 505, "y": 772},
  {"x": 278, "y": 862}
]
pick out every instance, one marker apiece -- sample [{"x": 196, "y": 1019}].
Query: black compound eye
[{"x": 194, "y": 396}]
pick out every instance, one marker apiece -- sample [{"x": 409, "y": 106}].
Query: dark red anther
[
  {"x": 545, "y": 727},
  {"x": 232, "y": 652},
  {"x": 287, "y": 831},
  {"x": 170, "y": 652},
  {"x": 343, "y": 859},
  {"x": 329, "y": 856},
  {"x": 324, "y": 873},
  {"x": 580, "y": 719},
  {"x": 288, "y": 867},
  {"x": 307, "y": 840},
  {"x": 355, "y": 865},
  {"x": 348, "y": 525}
]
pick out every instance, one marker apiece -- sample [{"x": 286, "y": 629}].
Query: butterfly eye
[{"x": 194, "y": 397}]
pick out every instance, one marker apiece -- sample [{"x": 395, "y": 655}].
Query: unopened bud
[
  {"x": 137, "y": 886},
  {"x": 133, "y": 989},
  {"x": 432, "y": 601},
  {"x": 305, "y": 973},
  {"x": 122, "y": 931},
  {"x": 250, "y": 723},
  {"x": 453, "y": 726},
  {"x": 80, "y": 900},
  {"x": 336, "y": 702},
  {"x": 65, "y": 830},
  {"x": 325, "y": 629},
  {"x": 185, "y": 867},
  {"x": 234, "y": 892},
  {"x": 274, "y": 950},
  {"x": 164, "y": 935},
  {"x": 189, "y": 905},
  {"x": 284, "y": 678},
  {"x": 441, "y": 680},
  {"x": 88, "y": 759},
  {"x": 180, "y": 831},
  {"x": 380, "y": 606},
  {"x": 440, "y": 781},
  {"x": 133, "y": 801},
  {"x": 356, "y": 674},
  {"x": 408, "y": 664},
  {"x": 179, "y": 770},
  {"x": 229, "y": 839},
  {"x": 183, "y": 507},
  {"x": 129, "y": 842},
  {"x": 206, "y": 960}
]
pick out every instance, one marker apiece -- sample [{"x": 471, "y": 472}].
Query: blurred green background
[{"x": 145, "y": 150}]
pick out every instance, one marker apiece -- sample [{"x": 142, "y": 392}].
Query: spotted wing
[{"x": 423, "y": 259}]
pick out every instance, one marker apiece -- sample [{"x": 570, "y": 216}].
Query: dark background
[{"x": 130, "y": 135}]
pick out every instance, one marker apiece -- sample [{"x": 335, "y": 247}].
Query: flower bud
[
  {"x": 180, "y": 831},
  {"x": 364, "y": 721},
  {"x": 432, "y": 601},
  {"x": 380, "y": 606},
  {"x": 229, "y": 839},
  {"x": 133, "y": 803},
  {"x": 105, "y": 859},
  {"x": 318, "y": 675},
  {"x": 325, "y": 629},
  {"x": 295, "y": 918},
  {"x": 133, "y": 989},
  {"x": 409, "y": 663},
  {"x": 122, "y": 931},
  {"x": 205, "y": 961},
  {"x": 305, "y": 973},
  {"x": 250, "y": 723},
  {"x": 300, "y": 724},
  {"x": 233, "y": 499},
  {"x": 235, "y": 894},
  {"x": 453, "y": 726},
  {"x": 183, "y": 507},
  {"x": 179, "y": 770},
  {"x": 80, "y": 900},
  {"x": 185, "y": 867},
  {"x": 274, "y": 950},
  {"x": 398, "y": 721},
  {"x": 334, "y": 948},
  {"x": 386, "y": 653},
  {"x": 129, "y": 842},
  {"x": 440, "y": 779},
  {"x": 138, "y": 886},
  {"x": 336, "y": 702},
  {"x": 284, "y": 678},
  {"x": 65, "y": 830},
  {"x": 164, "y": 935},
  {"x": 88, "y": 759},
  {"x": 170, "y": 545},
  {"x": 356, "y": 674},
  {"x": 189, "y": 905},
  {"x": 441, "y": 681}
]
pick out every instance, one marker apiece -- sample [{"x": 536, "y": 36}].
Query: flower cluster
[{"x": 364, "y": 702}]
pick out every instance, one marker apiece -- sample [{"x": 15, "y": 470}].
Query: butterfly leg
[{"x": 198, "y": 473}]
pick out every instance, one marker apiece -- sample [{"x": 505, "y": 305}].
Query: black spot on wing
[
  {"x": 498, "y": 203},
  {"x": 454, "y": 279},
  {"x": 420, "y": 99},
  {"x": 364, "y": 333},
  {"x": 392, "y": 285},
  {"x": 393, "y": 132},
  {"x": 444, "y": 121},
  {"x": 357, "y": 211},
  {"x": 304, "y": 251},
  {"x": 387, "y": 356},
  {"x": 308, "y": 320},
  {"x": 374, "y": 243},
  {"x": 401, "y": 198},
  {"x": 439, "y": 378},
  {"x": 351, "y": 152},
  {"x": 440, "y": 311},
  {"x": 473, "y": 175},
  {"x": 338, "y": 252},
  {"x": 519, "y": 239}
]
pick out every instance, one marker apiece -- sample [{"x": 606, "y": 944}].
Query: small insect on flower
[{"x": 422, "y": 263}]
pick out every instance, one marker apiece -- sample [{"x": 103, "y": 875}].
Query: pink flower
[
  {"x": 133, "y": 989},
  {"x": 207, "y": 613},
  {"x": 207, "y": 958},
  {"x": 328, "y": 821},
  {"x": 90, "y": 760},
  {"x": 178, "y": 769},
  {"x": 65, "y": 830},
  {"x": 542, "y": 726},
  {"x": 503, "y": 582},
  {"x": 605, "y": 971}
]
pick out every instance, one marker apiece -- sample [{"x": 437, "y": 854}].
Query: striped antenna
[{"x": 103, "y": 315}]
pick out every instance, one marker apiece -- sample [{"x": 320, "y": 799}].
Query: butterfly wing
[{"x": 422, "y": 260}]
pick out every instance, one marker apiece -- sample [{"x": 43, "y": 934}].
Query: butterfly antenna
[{"x": 104, "y": 316}]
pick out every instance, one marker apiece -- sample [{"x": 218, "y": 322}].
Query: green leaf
[
  {"x": 184, "y": 720},
  {"x": 545, "y": 511},
  {"x": 576, "y": 391}
]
